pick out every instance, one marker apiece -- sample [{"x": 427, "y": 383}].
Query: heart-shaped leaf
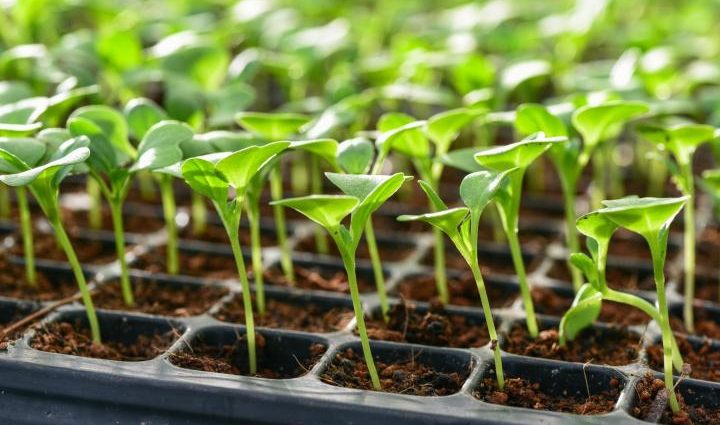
[
  {"x": 24, "y": 153},
  {"x": 402, "y": 133},
  {"x": 355, "y": 156},
  {"x": 443, "y": 128},
  {"x": 24, "y": 178},
  {"x": 600, "y": 122},
  {"x": 462, "y": 159},
  {"x": 273, "y": 127},
  {"x": 141, "y": 115},
  {"x": 532, "y": 118},
  {"x": 517, "y": 155},
  {"x": 325, "y": 210},
  {"x": 203, "y": 177},
  {"x": 161, "y": 145},
  {"x": 240, "y": 167},
  {"x": 479, "y": 188},
  {"x": 448, "y": 221},
  {"x": 324, "y": 148},
  {"x": 645, "y": 216},
  {"x": 112, "y": 125}
]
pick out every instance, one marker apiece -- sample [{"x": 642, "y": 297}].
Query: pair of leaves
[
  {"x": 68, "y": 154},
  {"x": 596, "y": 123}
]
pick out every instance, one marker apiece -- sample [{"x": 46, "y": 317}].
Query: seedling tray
[{"x": 41, "y": 387}]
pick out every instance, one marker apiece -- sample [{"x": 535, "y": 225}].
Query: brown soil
[
  {"x": 318, "y": 279},
  {"x": 217, "y": 234},
  {"x": 77, "y": 221},
  {"x": 88, "y": 251},
  {"x": 307, "y": 316},
  {"x": 494, "y": 263},
  {"x": 625, "y": 244},
  {"x": 520, "y": 392},
  {"x": 389, "y": 223},
  {"x": 704, "y": 359},
  {"x": 232, "y": 359},
  {"x": 706, "y": 287},
  {"x": 14, "y": 285},
  {"x": 530, "y": 239},
  {"x": 410, "y": 377},
  {"x": 163, "y": 299},
  {"x": 614, "y": 346},
  {"x": 463, "y": 291},
  {"x": 705, "y": 324},
  {"x": 650, "y": 400},
  {"x": 75, "y": 339},
  {"x": 7, "y": 340},
  {"x": 617, "y": 278},
  {"x": 197, "y": 264},
  {"x": 434, "y": 327},
  {"x": 547, "y": 301},
  {"x": 707, "y": 253},
  {"x": 388, "y": 251}
]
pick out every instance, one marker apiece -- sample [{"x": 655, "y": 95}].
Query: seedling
[
  {"x": 214, "y": 176},
  {"x": 43, "y": 177},
  {"x": 502, "y": 158},
  {"x": 363, "y": 195},
  {"x": 461, "y": 225},
  {"x": 682, "y": 141},
  {"x": 114, "y": 162}
]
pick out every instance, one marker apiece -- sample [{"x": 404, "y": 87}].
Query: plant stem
[
  {"x": 276, "y": 193},
  {"x": 257, "y": 260},
  {"x": 27, "y": 236},
  {"x": 119, "y": 230},
  {"x": 168, "y": 202},
  {"x": 689, "y": 248},
  {"x": 4, "y": 202},
  {"x": 517, "y": 258},
  {"x": 321, "y": 242},
  {"x": 146, "y": 185},
  {"x": 198, "y": 214},
  {"x": 571, "y": 236},
  {"x": 377, "y": 268},
  {"x": 597, "y": 186},
  {"x": 349, "y": 262},
  {"x": 95, "y": 208},
  {"x": 64, "y": 242}
]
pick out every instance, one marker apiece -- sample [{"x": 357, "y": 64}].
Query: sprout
[
  {"x": 43, "y": 178},
  {"x": 682, "y": 141},
  {"x": 363, "y": 195},
  {"x": 517, "y": 155},
  {"x": 214, "y": 176},
  {"x": 461, "y": 225}
]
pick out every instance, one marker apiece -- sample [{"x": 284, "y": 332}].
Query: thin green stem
[
  {"x": 198, "y": 214},
  {"x": 95, "y": 209},
  {"x": 257, "y": 260},
  {"x": 440, "y": 269},
  {"x": 689, "y": 248},
  {"x": 4, "y": 202},
  {"x": 517, "y": 258},
  {"x": 276, "y": 193},
  {"x": 377, "y": 268},
  {"x": 146, "y": 185},
  {"x": 597, "y": 186},
  {"x": 169, "y": 211},
  {"x": 26, "y": 228},
  {"x": 119, "y": 230},
  {"x": 571, "y": 236}
]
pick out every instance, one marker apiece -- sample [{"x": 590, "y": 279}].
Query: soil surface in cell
[
  {"x": 703, "y": 359},
  {"x": 388, "y": 251},
  {"x": 410, "y": 376},
  {"x": 705, "y": 324},
  {"x": 613, "y": 346},
  {"x": 152, "y": 297},
  {"x": 520, "y": 392},
  {"x": 216, "y": 234},
  {"x": 617, "y": 277},
  {"x": 652, "y": 406},
  {"x": 434, "y": 327},
  {"x": 77, "y": 221},
  {"x": 13, "y": 283},
  {"x": 233, "y": 359},
  {"x": 462, "y": 290},
  {"x": 547, "y": 301},
  {"x": 75, "y": 339},
  {"x": 197, "y": 264},
  {"x": 490, "y": 262},
  {"x": 88, "y": 251},
  {"x": 318, "y": 278},
  {"x": 300, "y": 316}
]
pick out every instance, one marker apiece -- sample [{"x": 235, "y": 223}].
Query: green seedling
[
  {"x": 273, "y": 128},
  {"x": 363, "y": 195},
  {"x": 599, "y": 125},
  {"x": 682, "y": 141},
  {"x": 43, "y": 177},
  {"x": 517, "y": 155},
  {"x": 222, "y": 176},
  {"x": 141, "y": 114},
  {"x": 114, "y": 162},
  {"x": 461, "y": 225}
]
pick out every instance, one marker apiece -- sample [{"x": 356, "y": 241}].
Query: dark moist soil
[
  {"x": 14, "y": 285},
  {"x": 706, "y": 287},
  {"x": 196, "y": 264},
  {"x": 613, "y": 346},
  {"x": 547, "y": 301},
  {"x": 705, "y": 324},
  {"x": 75, "y": 339},
  {"x": 410, "y": 377},
  {"x": 77, "y": 221},
  {"x": 494, "y": 263},
  {"x": 707, "y": 253},
  {"x": 704, "y": 359},
  {"x": 617, "y": 278},
  {"x": 217, "y": 234},
  {"x": 307, "y": 316},
  {"x": 649, "y": 402},
  {"x": 318, "y": 279},
  {"x": 520, "y": 392},
  {"x": 163, "y": 299},
  {"x": 8, "y": 340},
  {"x": 392, "y": 252},
  {"x": 232, "y": 359},
  {"x": 434, "y": 327},
  {"x": 462, "y": 290},
  {"x": 88, "y": 251}
]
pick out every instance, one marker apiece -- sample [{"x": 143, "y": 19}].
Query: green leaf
[
  {"x": 240, "y": 167},
  {"x": 646, "y": 216},
  {"x": 227, "y": 101},
  {"x": 597, "y": 226},
  {"x": 24, "y": 153},
  {"x": 26, "y": 177},
  {"x": 448, "y": 221},
  {"x": 161, "y": 145},
  {"x": 112, "y": 125},
  {"x": 324, "y": 148},
  {"x": 583, "y": 312},
  {"x": 21, "y": 118},
  {"x": 585, "y": 264},
  {"x": 230, "y": 141},
  {"x": 203, "y": 177},
  {"x": 325, "y": 210},
  {"x": 462, "y": 159},
  {"x": 533, "y": 118},
  {"x": 141, "y": 115},
  {"x": 443, "y": 128},
  {"x": 520, "y": 154},
  {"x": 103, "y": 155},
  {"x": 516, "y": 74},
  {"x": 355, "y": 156},
  {"x": 402, "y": 133},
  {"x": 600, "y": 122},
  {"x": 14, "y": 91},
  {"x": 479, "y": 188},
  {"x": 434, "y": 198},
  {"x": 273, "y": 127}
]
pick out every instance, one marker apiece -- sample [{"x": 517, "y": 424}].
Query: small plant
[
  {"x": 363, "y": 195},
  {"x": 461, "y": 225},
  {"x": 682, "y": 141},
  {"x": 43, "y": 178},
  {"x": 230, "y": 176},
  {"x": 516, "y": 156}
]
